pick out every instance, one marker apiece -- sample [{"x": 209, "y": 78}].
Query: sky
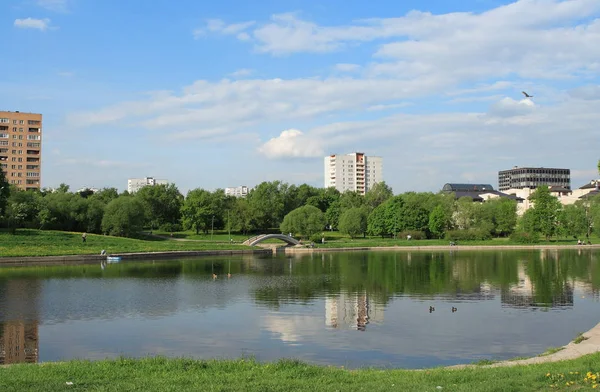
[{"x": 218, "y": 94}]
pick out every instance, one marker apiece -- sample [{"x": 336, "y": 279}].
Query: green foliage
[
  {"x": 162, "y": 204},
  {"x": 306, "y": 221},
  {"x": 200, "y": 209},
  {"x": 468, "y": 235},
  {"x": 123, "y": 216},
  {"x": 524, "y": 237},
  {"x": 332, "y": 215},
  {"x": 573, "y": 221},
  {"x": 267, "y": 204},
  {"x": 438, "y": 221},
  {"x": 378, "y": 194},
  {"x": 4, "y": 192},
  {"x": 350, "y": 199},
  {"x": 545, "y": 212},
  {"x": 353, "y": 222},
  {"x": 377, "y": 222}
]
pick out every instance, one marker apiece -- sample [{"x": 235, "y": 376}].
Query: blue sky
[{"x": 217, "y": 94}]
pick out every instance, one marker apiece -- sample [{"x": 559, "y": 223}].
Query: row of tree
[{"x": 302, "y": 210}]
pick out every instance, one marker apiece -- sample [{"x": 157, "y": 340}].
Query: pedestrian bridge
[{"x": 263, "y": 237}]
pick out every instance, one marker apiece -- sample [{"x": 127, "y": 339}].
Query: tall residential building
[
  {"x": 135, "y": 184},
  {"x": 532, "y": 177},
  {"x": 238, "y": 191},
  {"x": 21, "y": 148},
  {"x": 353, "y": 172}
]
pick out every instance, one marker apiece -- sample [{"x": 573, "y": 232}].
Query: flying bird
[{"x": 527, "y": 95}]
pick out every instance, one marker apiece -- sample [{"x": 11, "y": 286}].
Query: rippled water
[{"x": 350, "y": 309}]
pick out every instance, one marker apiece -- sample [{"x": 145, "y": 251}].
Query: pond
[{"x": 346, "y": 309}]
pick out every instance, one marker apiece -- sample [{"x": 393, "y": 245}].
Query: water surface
[{"x": 350, "y": 309}]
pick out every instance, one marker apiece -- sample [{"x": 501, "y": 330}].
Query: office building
[
  {"x": 238, "y": 191},
  {"x": 353, "y": 172},
  {"x": 21, "y": 149},
  {"x": 532, "y": 177},
  {"x": 135, "y": 184}
]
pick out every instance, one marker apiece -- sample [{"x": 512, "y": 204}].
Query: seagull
[{"x": 527, "y": 95}]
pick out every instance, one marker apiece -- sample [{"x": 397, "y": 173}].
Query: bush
[
  {"x": 524, "y": 237},
  {"x": 316, "y": 238},
  {"x": 416, "y": 235},
  {"x": 171, "y": 227},
  {"x": 468, "y": 235}
]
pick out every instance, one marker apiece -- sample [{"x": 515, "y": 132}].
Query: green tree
[
  {"x": 573, "y": 220},
  {"x": 378, "y": 194},
  {"x": 162, "y": 204},
  {"x": 351, "y": 199},
  {"x": 438, "y": 221},
  {"x": 267, "y": 206},
  {"x": 332, "y": 215},
  {"x": 353, "y": 221},
  {"x": 546, "y": 209},
  {"x": 377, "y": 221},
  {"x": 306, "y": 220},
  {"x": 200, "y": 209},
  {"x": 124, "y": 216},
  {"x": 4, "y": 192}
]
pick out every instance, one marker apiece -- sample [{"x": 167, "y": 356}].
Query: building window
[
  {"x": 33, "y": 137},
  {"x": 21, "y": 122},
  {"x": 4, "y": 121},
  {"x": 3, "y": 143},
  {"x": 15, "y": 122},
  {"x": 3, "y": 135},
  {"x": 33, "y": 122},
  {"x": 20, "y": 137}
]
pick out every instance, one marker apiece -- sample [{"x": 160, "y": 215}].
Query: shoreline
[{"x": 268, "y": 249}]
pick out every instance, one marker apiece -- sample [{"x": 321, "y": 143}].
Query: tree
[
  {"x": 378, "y": 194},
  {"x": 123, "y": 216},
  {"x": 267, "y": 204},
  {"x": 162, "y": 204},
  {"x": 200, "y": 209},
  {"x": 332, "y": 215},
  {"x": 4, "y": 192},
  {"x": 573, "y": 220},
  {"x": 353, "y": 221},
  {"x": 438, "y": 221},
  {"x": 351, "y": 199},
  {"x": 306, "y": 220},
  {"x": 504, "y": 215},
  {"x": 377, "y": 222},
  {"x": 546, "y": 209}
]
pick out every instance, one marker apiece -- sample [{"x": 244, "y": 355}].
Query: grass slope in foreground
[
  {"x": 59, "y": 243},
  {"x": 160, "y": 374}
]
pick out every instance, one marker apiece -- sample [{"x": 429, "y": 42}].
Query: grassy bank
[
  {"x": 160, "y": 374},
  {"x": 59, "y": 243}
]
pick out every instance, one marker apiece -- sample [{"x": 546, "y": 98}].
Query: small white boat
[{"x": 113, "y": 259}]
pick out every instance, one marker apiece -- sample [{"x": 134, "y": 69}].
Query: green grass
[
  {"x": 551, "y": 350},
  {"x": 579, "y": 338},
  {"x": 59, "y": 243},
  {"x": 161, "y": 374}
]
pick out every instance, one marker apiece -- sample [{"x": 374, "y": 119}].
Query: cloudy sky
[{"x": 216, "y": 94}]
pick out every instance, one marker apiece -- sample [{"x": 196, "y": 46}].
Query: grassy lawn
[
  {"x": 160, "y": 374},
  {"x": 58, "y": 243}
]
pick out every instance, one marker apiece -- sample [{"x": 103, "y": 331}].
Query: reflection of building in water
[
  {"x": 354, "y": 310},
  {"x": 18, "y": 321},
  {"x": 19, "y": 342},
  {"x": 524, "y": 294}
]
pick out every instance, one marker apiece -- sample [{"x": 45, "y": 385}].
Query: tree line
[{"x": 302, "y": 210}]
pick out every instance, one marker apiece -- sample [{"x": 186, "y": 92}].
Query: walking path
[{"x": 571, "y": 351}]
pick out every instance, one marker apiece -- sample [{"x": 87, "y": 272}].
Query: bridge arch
[{"x": 263, "y": 237}]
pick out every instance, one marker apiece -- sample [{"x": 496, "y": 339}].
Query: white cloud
[
  {"x": 242, "y": 72},
  {"x": 375, "y": 108},
  {"x": 220, "y": 27},
  {"x": 345, "y": 67},
  {"x": 31, "y": 23},
  {"x": 292, "y": 143},
  {"x": 54, "y": 5},
  {"x": 509, "y": 107}
]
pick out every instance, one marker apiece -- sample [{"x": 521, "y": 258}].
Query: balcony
[{"x": 33, "y": 152}]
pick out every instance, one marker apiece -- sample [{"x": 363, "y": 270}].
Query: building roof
[
  {"x": 454, "y": 187},
  {"x": 556, "y": 188},
  {"x": 478, "y": 195},
  {"x": 591, "y": 185}
]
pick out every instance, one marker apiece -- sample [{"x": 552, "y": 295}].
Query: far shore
[{"x": 269, "y": 249}]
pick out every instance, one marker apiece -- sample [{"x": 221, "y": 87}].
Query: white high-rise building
[
  {"x": 238, "y": 191},
  {"x": 135, "y": 184},
  {"x": 353, "y": 172}
]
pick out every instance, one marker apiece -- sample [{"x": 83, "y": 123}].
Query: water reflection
[{"x": 305, "y": 306}]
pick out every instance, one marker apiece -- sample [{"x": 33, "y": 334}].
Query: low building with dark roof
[{"x": 477, "y": 192}]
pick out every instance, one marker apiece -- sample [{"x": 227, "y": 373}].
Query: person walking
[{"x": 83, "y": 237}]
